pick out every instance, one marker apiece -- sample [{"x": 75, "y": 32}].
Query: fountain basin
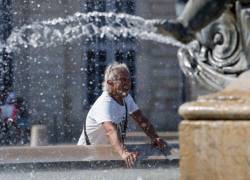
[
  {"x": 214, "y": 137},
  {"x": 97, "y": 156},
  {"x": 88, "y": 162}
]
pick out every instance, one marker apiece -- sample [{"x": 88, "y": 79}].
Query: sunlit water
[
  {"x": 113, "y": 174},
  {"x": 63, "y": 30}
]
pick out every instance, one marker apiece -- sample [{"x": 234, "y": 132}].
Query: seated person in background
[
  {"x": 107, "y": 119},
  {"x": 15, "y": 124},
  {"x": 8, "y": 115},
  {"x": 8, "y": 109}
]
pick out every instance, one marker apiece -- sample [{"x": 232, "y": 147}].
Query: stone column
[
  {"x": 215, "y": 134},
  {"x": 39, "y": 135}
]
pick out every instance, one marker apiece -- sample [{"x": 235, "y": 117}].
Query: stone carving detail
[
  {"x": 219, "y": 40},
  {"x": 216, "y": 57}
]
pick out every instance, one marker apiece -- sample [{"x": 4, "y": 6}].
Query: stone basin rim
[{"x": 214, "y": 111}]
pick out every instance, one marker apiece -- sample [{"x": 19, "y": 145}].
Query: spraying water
[{"x": 63, "y": 30}]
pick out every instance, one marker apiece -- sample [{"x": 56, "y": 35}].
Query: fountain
[
  {"x": 218, "y": 30},
  {"x": 214, "y": 136},
  {"x": 216, "y": 56}
]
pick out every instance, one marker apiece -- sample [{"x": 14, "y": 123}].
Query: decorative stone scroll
[{"x": 217, "y": 38}]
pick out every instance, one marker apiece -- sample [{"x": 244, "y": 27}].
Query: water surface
[{"x": 171, "y": 173}]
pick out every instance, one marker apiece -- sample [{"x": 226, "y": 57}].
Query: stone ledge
[
  {"x": 232, "y": 103},
  {"x": 72, "y": 155},
  {"x": 216, "y": 109},
  {"x": 26, "y": 154}
]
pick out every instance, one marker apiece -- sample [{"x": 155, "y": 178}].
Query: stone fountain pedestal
[{"x": 215, "y": 134}]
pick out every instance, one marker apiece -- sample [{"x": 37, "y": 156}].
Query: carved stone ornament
[
  {"x": 217, "y": 38},
  {"x": 217, "y": 56}
]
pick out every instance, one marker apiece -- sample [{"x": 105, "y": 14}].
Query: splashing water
[{"x": 63, "y": 30}]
